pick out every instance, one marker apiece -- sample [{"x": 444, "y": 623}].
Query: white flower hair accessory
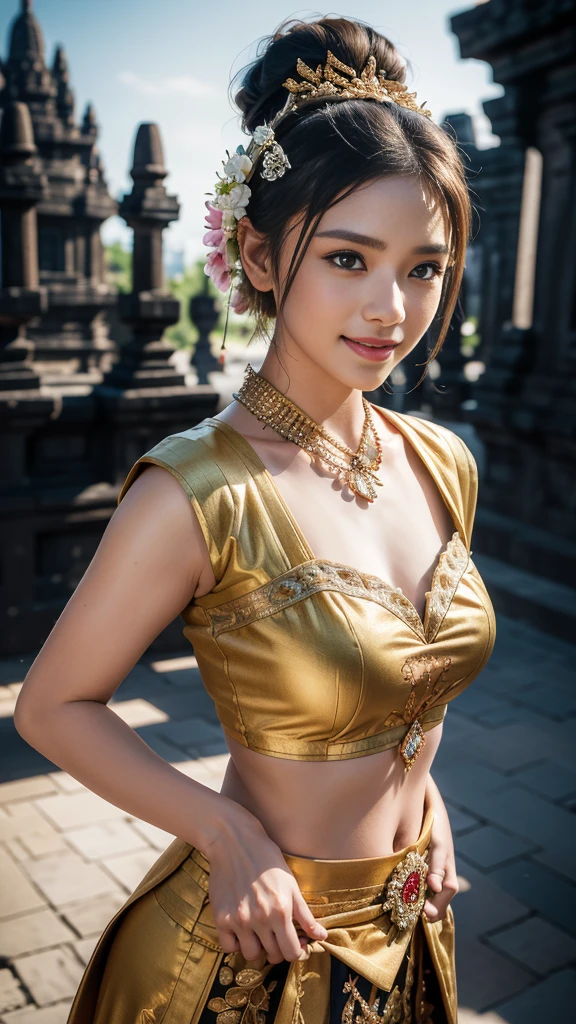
[{"x": 231, "y": 197}]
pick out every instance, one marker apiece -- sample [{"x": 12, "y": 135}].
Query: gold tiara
[{"x": 327, "y": 81}]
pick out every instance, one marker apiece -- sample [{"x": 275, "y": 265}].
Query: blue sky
[{"x": 171, "y": 61}]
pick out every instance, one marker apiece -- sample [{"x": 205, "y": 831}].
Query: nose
[{"x": 385, "y": 303}]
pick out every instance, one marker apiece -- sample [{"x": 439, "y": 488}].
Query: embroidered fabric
[{"x": 315, "y": 575}]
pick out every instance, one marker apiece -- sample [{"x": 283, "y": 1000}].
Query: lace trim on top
[{"x": 319, "y": 574}]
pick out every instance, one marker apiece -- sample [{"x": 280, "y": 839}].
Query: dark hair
[{"x": 337, "y": 145}]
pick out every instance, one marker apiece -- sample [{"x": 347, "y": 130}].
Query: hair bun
[{"x": 262, "y": 93}]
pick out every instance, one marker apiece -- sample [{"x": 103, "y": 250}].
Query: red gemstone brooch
[{"x": 406, "y": 891}]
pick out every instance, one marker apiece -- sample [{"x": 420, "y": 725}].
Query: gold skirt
[{"x": 158, "y": 960}]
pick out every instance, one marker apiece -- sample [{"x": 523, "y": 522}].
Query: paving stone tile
[
  {"x": 85, "y": 947},
  {"x": 90, "y": 917},
  {"x": 194, "y": 769},
  {"x": 216, "y": 763},
  {"x": 189, "y": 703},
  {"x": 208, "y": 748},
  {"x": 460, "y": 821},
  {"x": 466, "y": 1016},
  {"x": 549, "y": 700},
  {"x": 39, "y": 844},
  {"x": 189, "y": 732},
  {"x": 475, "y": 701},
  {"x": 549, "y": 779},
  {"x": 130, "y": 869},
  {"x": 32, "y": 932},
  {"x": 137, "y": 712},
  {"x": 12, "y": 994},
  {"x": 496, "y": 717},
  {"x": 535, "y": 819},
  {"x": 465, "y": 782},
  {"x": 482, "y": 904},
  {"x": 51, "y": 975},
  {"x": 537, "y": 944},
  {"x": 66, "y": 783},
  {"x": 17, "y": 894},
  {"x": 509, "y": 747},
  {"x": 7, "y": 706},
  {"x": 488, "y": 847},
  {"x": 17, "y": 820},
  {"x": 540, "y": 889},
  {"x": 56, "y": 1014},
  {"x": 26, "y": 789},
  {"x": 105, "y": 840},
  {"x": 169, "y": 751},
  {"x": 71, "y": 810},
  {"x": 14, "y": 670},
  {"x": 63, "y": 878},
  {"x": 177, "y": 663},
  {"x": 16, "y": 850},
  {"x": 485, "y": 976},
  {"x": 151, "y": 834},
  {"x": 561, "y": 861},
  {"x": 549, "y": 1000}
]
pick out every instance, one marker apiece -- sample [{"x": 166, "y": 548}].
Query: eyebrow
[{"x": 377, "y": 243}]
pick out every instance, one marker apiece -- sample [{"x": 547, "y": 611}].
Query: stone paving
[{"x": 506, "y": 768}]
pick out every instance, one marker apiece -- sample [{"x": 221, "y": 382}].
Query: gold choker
[{"x": 274, "y": 409}]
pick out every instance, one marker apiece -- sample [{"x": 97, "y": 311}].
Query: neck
[{"x": 329, "y": 402}]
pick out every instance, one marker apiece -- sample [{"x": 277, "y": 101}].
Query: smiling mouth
[{"x": 372, "y": 344}]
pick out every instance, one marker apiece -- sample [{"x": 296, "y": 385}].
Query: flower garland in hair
[{"x": 231, "y": 196}]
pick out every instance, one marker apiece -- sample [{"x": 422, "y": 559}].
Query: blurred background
[{"x": 115, "y": 118}]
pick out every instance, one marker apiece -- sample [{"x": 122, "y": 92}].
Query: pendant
[{"x": 412, "y": 744}]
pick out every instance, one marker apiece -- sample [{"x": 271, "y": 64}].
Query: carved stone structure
[
  {"x": 20, "y": 297},
  {"x": 144, "y": 397},
  {"x": 526, "y": 414},
  {"x": 72, "y": 336},
  {"x": 66, "y": 443}
]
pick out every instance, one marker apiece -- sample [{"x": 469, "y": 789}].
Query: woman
[{"x": 318, "y": 549}]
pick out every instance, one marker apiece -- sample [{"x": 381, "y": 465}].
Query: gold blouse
[{"x": 307, "y": 658}]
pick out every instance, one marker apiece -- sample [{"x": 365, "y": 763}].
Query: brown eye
[
  {"x": 434, "y": 267},
  {"x": 348, "y": 259}
]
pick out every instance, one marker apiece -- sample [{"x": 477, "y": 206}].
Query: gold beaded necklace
[{"x": 273, "y": 408}]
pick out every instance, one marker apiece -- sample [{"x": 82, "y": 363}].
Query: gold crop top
[{"x": 311, "y": 659}]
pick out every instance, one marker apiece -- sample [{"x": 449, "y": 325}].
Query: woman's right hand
[{"x": 255, "y": 898}]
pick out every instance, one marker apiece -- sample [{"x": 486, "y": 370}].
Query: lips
[{"x": 371, "y": 348}]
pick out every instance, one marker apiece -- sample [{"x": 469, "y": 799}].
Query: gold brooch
[
  {"x": 329, "y": 81},
  {"x": 406, "y": 892}
]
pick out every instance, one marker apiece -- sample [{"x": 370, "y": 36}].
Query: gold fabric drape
[{"x": 159, "y": 956}]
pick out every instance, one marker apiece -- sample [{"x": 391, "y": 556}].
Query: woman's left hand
[{"x": 441, "y": 876}]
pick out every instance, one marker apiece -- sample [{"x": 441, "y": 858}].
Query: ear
[{"x": 255, "y": 262}]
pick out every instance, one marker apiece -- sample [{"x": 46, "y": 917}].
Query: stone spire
[
  {"x": 149, "y": 309},
  {"x": 20, "y": 297},
  {"x": 28, "y": 80},
  {"x": 73, "y": 336},
  {"x": 65, "y": 96}
]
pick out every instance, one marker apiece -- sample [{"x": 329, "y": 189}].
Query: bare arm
[
  {"x": 145, "y": 571},
  {"x": 151, "y": 561}
]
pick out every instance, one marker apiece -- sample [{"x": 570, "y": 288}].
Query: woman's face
[{"x": 372, "y": 272}]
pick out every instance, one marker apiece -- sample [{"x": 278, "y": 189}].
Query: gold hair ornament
[{"x": 329, "y": 81}]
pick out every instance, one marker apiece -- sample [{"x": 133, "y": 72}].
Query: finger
[
  {"x": 436, "y": 906},
  {"x": 228, "y": 940},
  {"x": 290, "y": 943},
  {"x": 273, "y": 952},
  {"x": 306, "y": 919},
  {"x": 250, "y": 944},
  {"x": 435, "y": 880},
  {"x": 437, "y": 868}
]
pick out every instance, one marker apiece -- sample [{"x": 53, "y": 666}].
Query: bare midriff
[{"x": 361, "y": 807}]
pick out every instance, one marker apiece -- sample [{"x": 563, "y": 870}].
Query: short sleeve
[{"x": 189, "y": 462}]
